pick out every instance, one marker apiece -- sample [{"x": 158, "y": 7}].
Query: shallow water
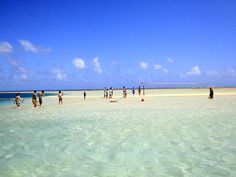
[{"x": 162, "y": 136}]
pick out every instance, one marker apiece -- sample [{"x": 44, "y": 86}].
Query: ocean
[{"x": 172, "y": 133}]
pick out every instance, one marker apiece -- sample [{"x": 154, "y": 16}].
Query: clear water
[
  {"x": 169, "y": 134},
  {"x": 4, "y": 96}
]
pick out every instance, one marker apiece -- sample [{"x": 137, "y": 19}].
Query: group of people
[
  {"x": 108, "y": 93},
  {"x": 37, "y": 98},
  {"x": 133, "y": 91}
]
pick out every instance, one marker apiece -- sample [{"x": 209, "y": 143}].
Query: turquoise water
[
  {"x": 162, "y": 136},
  {"x": 10, "y": 96}
]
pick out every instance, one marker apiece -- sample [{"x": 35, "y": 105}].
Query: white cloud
[
  {"x": 165, "y": 70},
  {"x": 160, "y": 67},
  {"x": 170, "y": 60},
  {"x": 5, "y": 47},
  {"x": 157, "y": 67},
  {"x": 22, "y": 77},
  {"x": 79, "y": 63},
  {"x": 21, "y": 73},
  {"x": 58, "y": 74},
  {"x": 17, "y": 66},
  {"x": 194, "y": 71},
  {"x": 143, "y": 65},
  {"x": 97, "y": 66},
  {"x": 28, "y": 46}
]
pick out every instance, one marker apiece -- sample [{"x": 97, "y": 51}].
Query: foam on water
[{"x": 162, "y": 136}]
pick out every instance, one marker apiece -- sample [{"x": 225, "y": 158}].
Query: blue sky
[{"x": 97, "y": 43}]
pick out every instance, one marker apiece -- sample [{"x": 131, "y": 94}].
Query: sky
[{"x": 79, "y": 44}]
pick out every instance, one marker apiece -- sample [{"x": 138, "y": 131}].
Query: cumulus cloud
[
  {"x": 96, "y": 65},
  {"x": 5, "y": 47},
  {"x": 17, "y": 66},
  {"x": 29, "y": 47},
  {"x": 194, "y": 71},
  {"x": 170, "y": 60},
  {"x": 157, "y": 67},
  {"x": 165, "y": 70},
  {"x": 143, "y": 65},
  {"x": 161, "y": 68},
  {"x": 58, "y": 73},
  {"x": 79, "y": 63}
]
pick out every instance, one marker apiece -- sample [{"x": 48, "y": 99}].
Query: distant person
[
  {"x": 34, "y": 99},
  {"x": 143, "y": 88},
  {"x": 41, "y": 94},
  {"x": 139, "y": 90},
  {"x": 133, "y": 90},
  {"x": 124, "y": 92},
  {"x": 211, "y": 94},
  {"x": 105, "y": 92},
  {"x": 84, "y": 95},
  {"x": 18, "y": 100},
  {"x": 110, "y": 93},
  {"x": 60, "y": 94}
]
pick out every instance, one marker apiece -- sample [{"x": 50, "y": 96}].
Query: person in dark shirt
[
  {"x": 211, "y": 94},
  {"x": 139, "y": 90},
  {"x": 84, "y": 95},
  {"x": 133, "y": 90},
  {"x": 41, "y": 94}
]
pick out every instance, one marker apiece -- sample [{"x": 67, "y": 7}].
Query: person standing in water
[
  {"x": 18, "y": 100},
  {"x": 139, "y": 90},
  {"x": 41, "y": 94},
  {"x": 84, "y": 95},
  {"x": 110, "y": 92},
  {"x": 60, "y": 94},
  {"x": 133, "y": 90},
  {"x": 143, "y": 88},
  {"x": 211, "y": 94},
  {"x": 105, "y": 92},
  {"x": 34, "y": 99},
  {"x": 124, "y": 92}
]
